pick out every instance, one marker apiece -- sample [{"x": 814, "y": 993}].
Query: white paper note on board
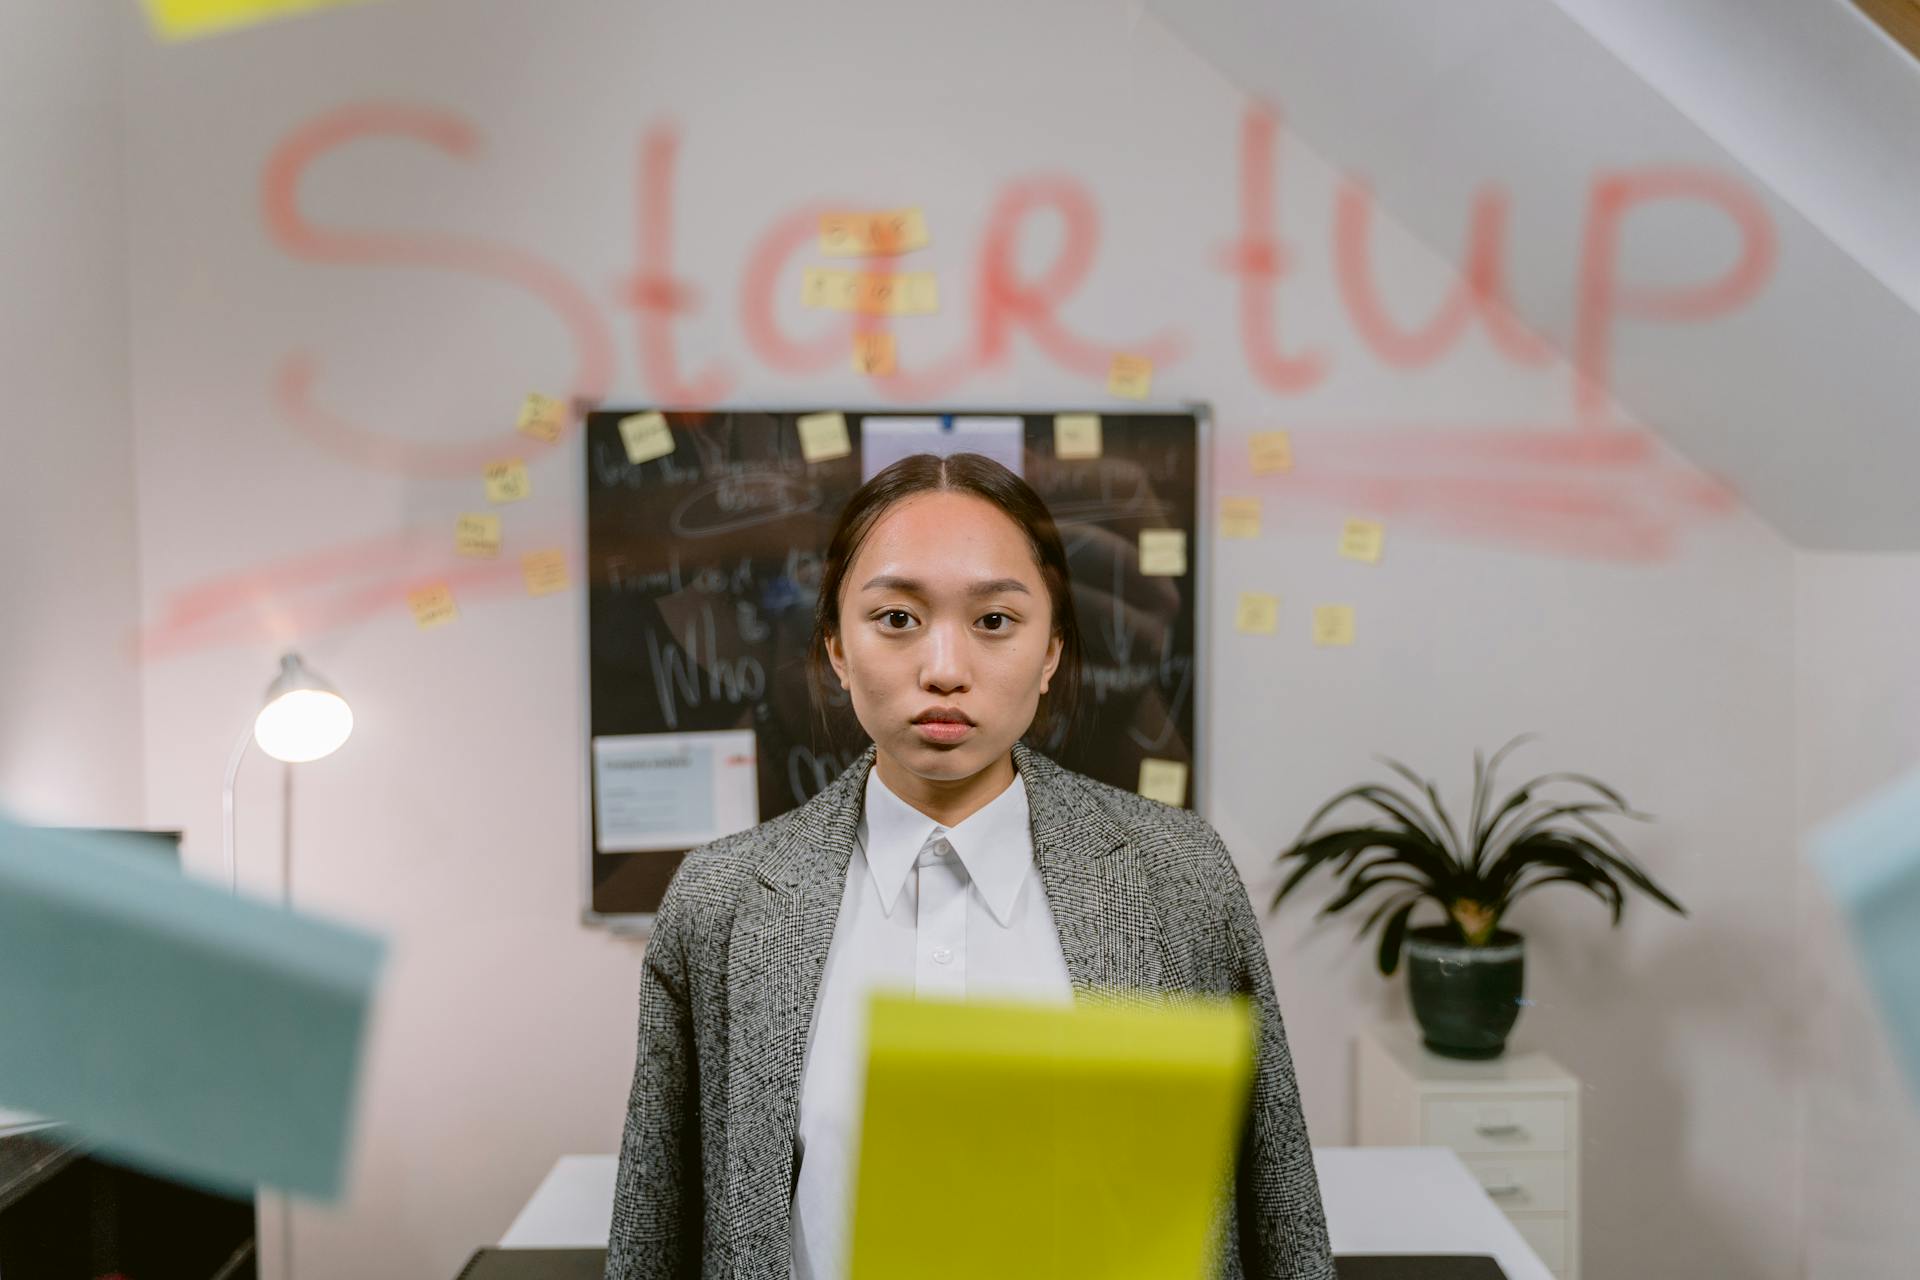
[
  {"x": 658, "y": 791},
  {"x": 886, "y": 440}
]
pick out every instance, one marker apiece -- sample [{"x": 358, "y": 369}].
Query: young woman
[{"x": 952, "y": 859}]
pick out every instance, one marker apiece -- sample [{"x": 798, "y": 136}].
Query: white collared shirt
[{"x": 943, "y": 913}]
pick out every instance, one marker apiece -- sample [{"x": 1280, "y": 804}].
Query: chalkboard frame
[{"x": 1200, "y": 575}]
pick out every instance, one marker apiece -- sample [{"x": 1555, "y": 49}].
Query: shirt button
[{"x": 942, "y": 955}]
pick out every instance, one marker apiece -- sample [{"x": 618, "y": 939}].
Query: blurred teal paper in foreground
[
  {"x": 1870, "y": 860},
  {"x": 173, "y": 1025}
]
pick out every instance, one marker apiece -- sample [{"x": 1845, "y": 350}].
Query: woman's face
[{"x": 946, "y": 634}]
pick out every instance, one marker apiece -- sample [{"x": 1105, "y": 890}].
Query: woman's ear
[
  {"x": 837, "y": 657},
  {"x": 1055, "y": 646}
]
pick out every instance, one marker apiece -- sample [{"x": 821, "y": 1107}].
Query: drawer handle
[
  {"x": 1498, "y": 1130},
  {"x": 1504, "y": 1190}
]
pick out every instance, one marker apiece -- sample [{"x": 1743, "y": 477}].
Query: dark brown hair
[{"x": 981, "y": 476}]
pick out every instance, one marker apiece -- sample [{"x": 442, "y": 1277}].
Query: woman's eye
[
  {"x": 894, "y": 613},
  {"x": 1003, "y": 617}
]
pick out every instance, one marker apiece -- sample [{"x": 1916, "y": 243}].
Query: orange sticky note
[
  {"x": 646, "y": 436},
  {"x": 1270, "y": 451},
  {"x": 432, "y": 606},
  {"x": 507, "y": 480},
  {"x": 1076, "y": 435},
  {"x": 844, "y": 235},
  {"x": 1164, "y": 780},
  {"x": 1257, "y": 614},
  {"x": 1163, "y": 552},
  {"x": 545, "y": 572},
  {"x": 1130, "y": 377},
  {"x": 904, "y": 293},
  {"x": 477, "y": 535},
  {"x": 823, "y": 436},
  {"x": 1333, "y": 624},
  {"x": 874, "y": 354},
  {"x": 1239, "y": 517},
  {"x": 1361, "y": 539},
  {"x": 541, "y": 417}
]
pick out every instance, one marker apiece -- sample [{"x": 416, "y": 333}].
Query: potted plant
[{"x": 1465, "y": 974}]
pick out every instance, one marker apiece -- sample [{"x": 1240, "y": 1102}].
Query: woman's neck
[{"x": 947, "y": 802}]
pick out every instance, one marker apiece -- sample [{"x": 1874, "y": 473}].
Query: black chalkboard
[{"x": 704, "y": 565}]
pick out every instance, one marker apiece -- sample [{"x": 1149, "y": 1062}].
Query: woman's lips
[{"x": 945, "y": 732}]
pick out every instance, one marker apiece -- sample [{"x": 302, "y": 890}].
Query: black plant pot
[{"x": 1465, "y": 998}]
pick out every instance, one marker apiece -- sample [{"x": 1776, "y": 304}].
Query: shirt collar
[{"x": 994, "y": 844}]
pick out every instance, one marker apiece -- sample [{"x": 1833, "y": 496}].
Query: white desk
[{"x": 1378, "y": 1199}]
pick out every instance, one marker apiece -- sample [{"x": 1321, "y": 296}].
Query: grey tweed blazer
[{"x": 1145, "y": 896}]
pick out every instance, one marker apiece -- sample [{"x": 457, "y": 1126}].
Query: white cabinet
[{"x": 1514, "y": 1121}]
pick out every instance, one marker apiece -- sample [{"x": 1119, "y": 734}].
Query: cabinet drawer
[
  {"x": 1518, "y": 1183},
  {"x": 1474, "y": 1126},
  {"x": 1546, "y": 1235}
]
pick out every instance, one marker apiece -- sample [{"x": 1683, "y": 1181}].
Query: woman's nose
[{"x": 944, "y": 663}]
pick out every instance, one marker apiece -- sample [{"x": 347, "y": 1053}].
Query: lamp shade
[{"x": 304, "y": 718}]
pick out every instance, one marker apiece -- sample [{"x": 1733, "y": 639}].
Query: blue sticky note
[
  {"x": 1870, "y": 860},
  {"x": 205, "y": 1036}
]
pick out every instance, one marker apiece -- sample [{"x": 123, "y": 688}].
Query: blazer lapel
[
  {"x": 1096, "y": 888},
  {"x": 775, "y": 956}
]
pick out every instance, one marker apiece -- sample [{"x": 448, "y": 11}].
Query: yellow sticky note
[
  {"x": 1361, "y": 539},
  {"x": 189, "y": 19},
  {"x": 545, "y": 572},
  {"x": 1164, "y": 780},
  {"x": 905, "y": 293},
  {"x": 541, "y": 417},
  {"x": 1257, "y": 614},
  {"x": 1163, "y": 552},
  {"x": 476, "y": 535},
  {"x": 1270, "y": 451},
  {"x": 432, "y": 606},
  {"x": 844, "y": 235},
  {"x": 1076, "y": 435},
  {"x": 823, "y": 436},
  {"x": 1096, "y": 1138},
  {"x": 646, "y": 435},
  {"x": 507, "y": 480},
  {"x": 1239, "y": 517},
  {"x": 1333, "y": 624},
  {"x": 1130, "y": 377},
  {"x": 874, "y": 354}
]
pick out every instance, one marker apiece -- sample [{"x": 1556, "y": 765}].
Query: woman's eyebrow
[{"x": 913, "y": 586}]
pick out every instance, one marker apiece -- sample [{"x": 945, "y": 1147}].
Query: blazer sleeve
[
  {"x": 1282, "y": 1223},
  {"x": 658, "y": 1213}
]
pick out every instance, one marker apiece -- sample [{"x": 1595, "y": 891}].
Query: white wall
[
  {"x": 1649, "y": 639},
  {"x": 70, "y": 745},
  {"x": 1859, "y": 728}
]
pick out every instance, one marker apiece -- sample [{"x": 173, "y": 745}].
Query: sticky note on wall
[
  {"x": 905, "y": 293},
  {"x": 432, "y": 606},
  {"x": 1076, "y": 435},
  {"x": 1130, "y": 377},
  {"x": 1333, "y": 625},
  {"x": 1269, "y": 452},
  {"x": 1164, "y": 780},
  {"x": 646, "y": 436},
  {"x": 507, "y": 480},
  {"x": 845, "y": 235},
  {"x": 541, "y": 417},
  {"x": 875, "y": 354},
  {"x": 1239, "y": 517},
  {"x": 1163, "y": 552},
  {"x": 1362, "y": 540},
  {"x": 545, "y": 572},
  {"x": 1257, "y": 613},
  {"x": 477, "y": 535},
  {"x": 178, "y": 1027},
  {"x": 823, "y": 436}
]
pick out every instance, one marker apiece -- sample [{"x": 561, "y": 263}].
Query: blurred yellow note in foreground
[
  {"x": 1163, "y": 553},
  {"x": 1076, "y": 435},
  {"x": 544, "y": 571},
  {"x": 188, "y": 19},
  {"x": 823, "y": 436},
  {"x": 541, "y": 417},
  {"x": 477, "y": 536},
  {"x": 1270, "y": 451},
  {"x": 646, "y": 436},
  {"x": 1095, "y": 1140},
  {"x": 507, "y": 480},
  {"x": 1164, "y": 780},
  {"x": 1131, "y": 377},
  {"x": 1361, "y": 539},
  {"x": 1333, "y": 625},
  {"x": 1239, "y": 517},
  {"x": 1257, "y": 614}
]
